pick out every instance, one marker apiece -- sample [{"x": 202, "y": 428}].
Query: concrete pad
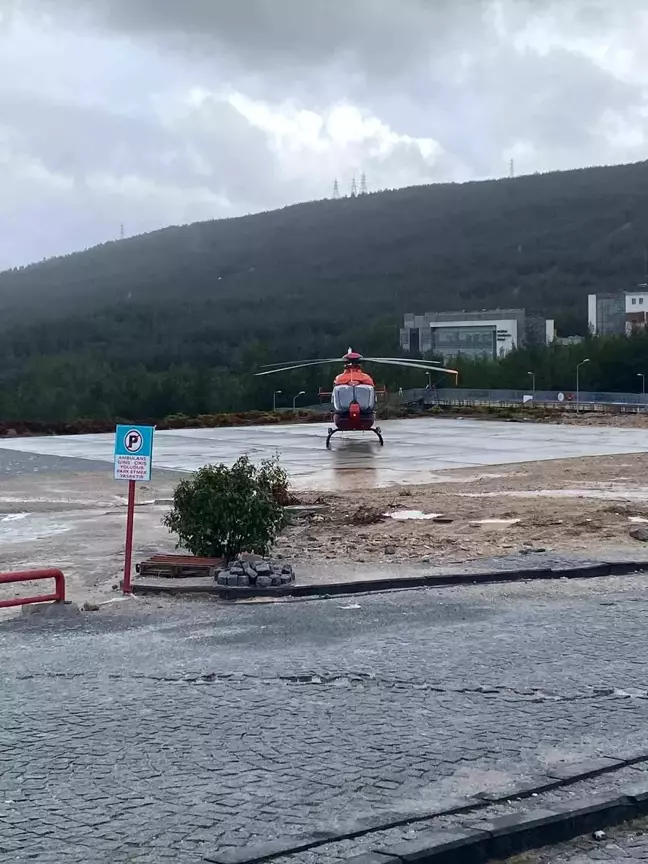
[{"x": 414, "y": 451}]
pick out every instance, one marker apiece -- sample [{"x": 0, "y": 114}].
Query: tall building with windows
[
  {"x": 491, "y": 333},
  {"x": 616, "y": 314},
  {"x": 606, "y": 314}
]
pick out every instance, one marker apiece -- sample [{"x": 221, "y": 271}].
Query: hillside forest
[{"x": 178, "y": 320}]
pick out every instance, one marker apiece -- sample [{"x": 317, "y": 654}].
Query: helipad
[{"x": 414, "y": 452}]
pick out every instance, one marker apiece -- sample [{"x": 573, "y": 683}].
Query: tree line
[
  {"x": 178, "y": 320},
  {"x": 614, "y": 364},
  {"x": 68, "y": 388}
]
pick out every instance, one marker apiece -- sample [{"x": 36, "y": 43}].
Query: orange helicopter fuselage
[
  {"x": 352, "y": 376},
  {"x": 354, "y": 416}
]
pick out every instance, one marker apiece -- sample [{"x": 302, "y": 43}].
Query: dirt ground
[
  {"x": 576, "y": 505},
  {"x": 630, "y": 421},
  {"x": 76, "y": 521}
]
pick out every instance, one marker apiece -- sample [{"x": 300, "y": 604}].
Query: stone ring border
[{"x": 370, "y": 586}]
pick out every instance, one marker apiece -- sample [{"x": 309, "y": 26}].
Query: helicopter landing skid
[{"x": 376, "y": 430}]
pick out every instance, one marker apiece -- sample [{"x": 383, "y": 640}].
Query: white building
[
  {"x": 636, "y": 307},
  {"x": 616, "y": 314},
  {"x": 489, "y": 333}
]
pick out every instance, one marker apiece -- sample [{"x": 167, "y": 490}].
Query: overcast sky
[{"x": 155, "y": 112}]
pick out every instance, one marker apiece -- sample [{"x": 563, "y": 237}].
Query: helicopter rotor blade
[
  {"x": 297, "y": 362},
  {"x": 408, "y": 360},
  {"x": 412, "y": 365},
  {"x": 298, "y": 366}
]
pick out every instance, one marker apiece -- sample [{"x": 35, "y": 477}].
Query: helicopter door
[
  {"x": 342, "y": 398},
  {"x": 365, "y": 396}
]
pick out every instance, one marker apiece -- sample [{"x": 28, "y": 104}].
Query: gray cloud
[
  {"x": 128, "y": 114},
  {"x": 555, "y": 102},
  {"x": 86, "y": 170},
  {"x": 380, "y": 37},
  {"x": 380, "y": 33}
]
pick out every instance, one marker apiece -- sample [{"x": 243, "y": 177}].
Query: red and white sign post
[{"x": 133, "y": 462}]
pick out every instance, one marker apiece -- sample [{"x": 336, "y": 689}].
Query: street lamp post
[
  {"x": 295, "y": 398},
  {"x": 643, "y": 382},
  {"x": 532, "y": 374},
  {"x": 578, "y": 365},
  {"x": 274, "y": 399}
]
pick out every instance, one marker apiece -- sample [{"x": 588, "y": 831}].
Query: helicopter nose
[{"x": 354, "y": 409}]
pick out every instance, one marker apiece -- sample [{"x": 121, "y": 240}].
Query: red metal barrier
[{"x": 33, "y": 575}]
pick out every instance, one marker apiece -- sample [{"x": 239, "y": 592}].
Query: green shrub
[{"x": 221, "y": 511}]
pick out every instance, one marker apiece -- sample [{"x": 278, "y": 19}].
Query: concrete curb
[
  {"x": 476, "y": 838},
  {"x": 511, "y": 835},
  {"x": 370, "y": 586}
]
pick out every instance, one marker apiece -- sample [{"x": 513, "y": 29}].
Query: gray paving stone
[
  {"x": 223, "y": 728},
  {"x": 578, "y": 769}
]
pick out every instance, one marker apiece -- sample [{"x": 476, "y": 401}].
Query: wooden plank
[
  {"x": 178, "y": 566},
  {"x": 182, "y": 559}
]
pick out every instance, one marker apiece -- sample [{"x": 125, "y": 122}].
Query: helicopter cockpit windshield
[{"x": 363, "y": 394}]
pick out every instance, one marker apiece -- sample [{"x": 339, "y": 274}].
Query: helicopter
[{"x": 354, "y": 390}]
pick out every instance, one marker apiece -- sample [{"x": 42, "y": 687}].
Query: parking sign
[{"x": 133, "y": 453}]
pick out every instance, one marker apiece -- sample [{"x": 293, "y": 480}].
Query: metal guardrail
[
  {"x": 32, "y": 576},
  {"x": 567, "y": 399}
]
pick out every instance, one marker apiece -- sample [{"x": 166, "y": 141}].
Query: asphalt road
[
  {"x": 166, "y": 732},
  {"x": 414, "y": 451},
  {"x": 15, "y": 463}
]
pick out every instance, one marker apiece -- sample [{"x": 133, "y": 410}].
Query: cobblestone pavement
[
  {"x": 603, "y": 786},
  {"x": 163, "y": 731}
]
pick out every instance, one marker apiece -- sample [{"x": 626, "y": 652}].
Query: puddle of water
[
  {"x": 640, "y": 494},
  {"x": 502, "y": 523},
  {"x": 32, "y": 499},
  {"x": 403, "y": 515},
  {"x": 152, "y": 502},
  {"x": 472, "y": 478},
  {"x": 29, "y": 527}
]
